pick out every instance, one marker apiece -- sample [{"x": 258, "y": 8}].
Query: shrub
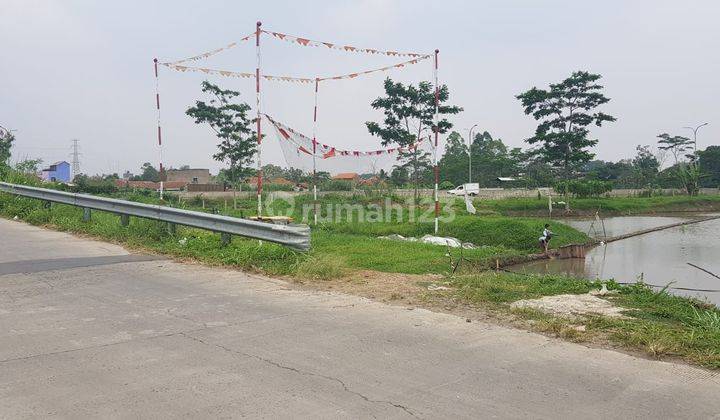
[
  {"x": 278, "y": 187},
  {"x": 583, "y": 189},
  {"x": 446, "y": 185}
]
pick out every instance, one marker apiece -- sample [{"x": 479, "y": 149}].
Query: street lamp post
[
  {"x": 470, "y": 139},
  {"x": 695, "y": 130}
]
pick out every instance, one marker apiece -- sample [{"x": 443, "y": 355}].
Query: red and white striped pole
[
  {"x": 315, "y": 200},
  {"x": 159, "y": 131},
  {"x": 259, "y": 125},
  {"x": 437, "y": 133}
]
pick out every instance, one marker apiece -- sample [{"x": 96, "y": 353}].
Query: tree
[
  {"x": 28, "y": 166},
  {"x": 686, "y": 173},
  {"x": 492, "y": 159},
  {"x": 709, "y": 162},
  {"x": 646, "y": 166},
  {"x": 677, "y": 145},
  {"x": 6, "y": 141},
  {"x": 231, "y": 125},
  {"x": 271, "y": 171},
  {"x": 565, "y": 111},
  {"x": 454, "y": 162},
  {"x": 410, "y": 110},
  {"x": 147, "y": 173}
]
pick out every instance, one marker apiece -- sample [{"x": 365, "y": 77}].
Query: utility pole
[{"x": 75, "y": 158}]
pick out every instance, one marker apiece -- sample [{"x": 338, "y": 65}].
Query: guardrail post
[
  {"x": 225, "y": 239},
  {"x": 86, "y": 214},
  {"x": 124, "y": 220},
  {"x": 171, "y": 229}
]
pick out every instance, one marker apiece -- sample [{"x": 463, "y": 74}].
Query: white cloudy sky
[{"x": 83, "y": 69}]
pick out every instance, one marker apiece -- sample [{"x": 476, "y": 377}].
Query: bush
[
  {"x": 583, "y": 189},
  {"x": 278, "y": 187},
  {"x": 336, "y": 185},
  {"x": 446, "y": 185}
]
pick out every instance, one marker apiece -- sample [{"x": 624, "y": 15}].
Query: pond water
[{"x": 658, "y": 258}]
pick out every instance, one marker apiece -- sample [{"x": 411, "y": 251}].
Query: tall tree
[
  {"x": 454, "y": 162},
  {"x": 677, "y": 145},
  {"x": 709, "y": 163},
  {"x": 564, "y": 113},
  {"x": 646, "y": 166},
  {"x": 686, "y": 173},
  {"x": 410, "y": 110},
  {"x": 231, "y": 125},
  {"x": 147, "y": 173}
]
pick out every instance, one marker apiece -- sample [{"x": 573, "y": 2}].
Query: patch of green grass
[
  {"x": 385, "y": 255},
  {"x": 502, "y": 287},
  {"x": 606, "y": 205},
  {"x": 322, "y": 267},
  {"x": 658, "y": 323}
]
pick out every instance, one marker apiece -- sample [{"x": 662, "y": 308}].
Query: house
[
  {"x": 347, "y": 176},
  {"x": 189, "y": 176},
  {"x": 371, "y": 182},
  {"x": 57, "y": 172}
]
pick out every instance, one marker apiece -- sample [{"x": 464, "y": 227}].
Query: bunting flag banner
[
  {"x": 386, "y": 68},
  {"x": 213, "y": 52},
  {"x": 304, "y": 144},
  {"x": 227, "y": 73},
  {"x": 209, "y": 71},
  {"x": 305, "y": 80},
  {"x": 305, "y": 42}
]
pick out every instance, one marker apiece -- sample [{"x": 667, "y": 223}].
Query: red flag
[{"x": 329, "y": 154}]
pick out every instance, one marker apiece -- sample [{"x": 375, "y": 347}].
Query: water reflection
[{"x": 659, "y": 257}]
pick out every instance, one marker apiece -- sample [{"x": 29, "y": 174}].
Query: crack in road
[{"x": 302, "y": 372}]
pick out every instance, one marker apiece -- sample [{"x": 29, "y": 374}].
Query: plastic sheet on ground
[{"x": 433, "y": 240}]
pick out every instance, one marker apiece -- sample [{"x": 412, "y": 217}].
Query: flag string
[
  {"x": 227, "y": 73},
  {"x": 306, "y": 42}
]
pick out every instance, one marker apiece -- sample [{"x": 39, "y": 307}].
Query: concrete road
[{"x": 99, "y": 333}]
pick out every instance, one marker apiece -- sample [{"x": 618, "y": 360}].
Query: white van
[{"x": 469, "y": 189}]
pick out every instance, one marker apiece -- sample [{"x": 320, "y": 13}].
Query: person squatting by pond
[{"x": 545, "y": 238}]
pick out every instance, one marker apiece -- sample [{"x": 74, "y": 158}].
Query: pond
[{"x": 659, "y": 258}]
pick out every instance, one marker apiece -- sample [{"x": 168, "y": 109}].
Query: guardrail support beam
[
  {"x": 171, "y": 229},
  {"x": 87, "y": 215},
  {"x": 296, "y": 237},
  {"x": 225, "y": 239}
]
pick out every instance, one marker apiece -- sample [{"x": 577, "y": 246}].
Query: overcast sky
[{"x": 83, "y": 69}]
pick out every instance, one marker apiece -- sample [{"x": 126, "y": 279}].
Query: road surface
[{"x": 88, "y": 331}]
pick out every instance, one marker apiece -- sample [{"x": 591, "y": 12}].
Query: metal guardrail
[{"x": 293, "y": 236}]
